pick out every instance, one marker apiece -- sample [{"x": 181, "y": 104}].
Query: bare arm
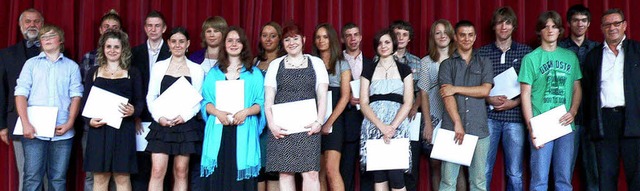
[
  {"x": 480, "y": 91},
  {"x": 426, "y": 115},
  {"x": 451, "y": 107},
  {"x": 365, "y": 108},
  {"x": 345, "y": 95},
  {"x": 73, "y": 113},
  {"x": 569, "y": 117},
  {"x": 527, "y": 108},
  {"x": 407, "y": 99},
  {"x": 321, "y": 95}
]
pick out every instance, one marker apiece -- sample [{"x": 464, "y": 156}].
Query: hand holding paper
[
  {"x": 548, "y": 127},
  {"x": 446, "y": 149}
]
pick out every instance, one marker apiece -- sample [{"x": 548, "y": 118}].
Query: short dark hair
[
  {"x": 503, "y": 14},
  {"x": 580, "y": 10},
  {"x": 348, "y": 26},
  {"x": 614, "y": 11},
  {"x": 463, "y": 23},
  {"x": 180, "y": 30},
  {"x": 542, "y": 21},
  {"x": 376, "y": 39},
  {"x": 155, "y": 14},
  {"x": 404, "y": 25}
]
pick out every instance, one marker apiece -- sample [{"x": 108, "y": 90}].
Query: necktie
[{"x": 33, "y": 43}]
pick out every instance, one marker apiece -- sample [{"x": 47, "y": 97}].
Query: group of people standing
[{"x": 208, "y": 148}]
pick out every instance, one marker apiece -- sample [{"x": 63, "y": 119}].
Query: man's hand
[
  {"x": 61, "y": 129},
  {"x": 459, "y": 130},
  {"x": 4, "y": 135},
  {"x": 447, "y": 90},
  {"x": 496, "y": 100}
]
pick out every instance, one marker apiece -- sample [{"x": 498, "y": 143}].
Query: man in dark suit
[
  {"x": 143, "y": 57},
  {"x": 612, "y": 102},
  {"x": 11, "y": 61}
]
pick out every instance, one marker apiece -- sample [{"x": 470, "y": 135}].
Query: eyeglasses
[
  {"x": 48, "y": 36},
  {"x": 615, "y": 24}
]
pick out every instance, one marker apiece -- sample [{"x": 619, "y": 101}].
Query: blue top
[
  {"x": 248, "y": 144},
  {"x": 53, "y": 84}
]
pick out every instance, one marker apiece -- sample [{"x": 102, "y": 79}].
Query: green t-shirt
[{"x": 551, "y": 76}]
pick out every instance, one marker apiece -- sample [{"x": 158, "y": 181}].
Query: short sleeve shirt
[
  {"x": 457, "y": 72},
  {"x": 334, "y": 79}
]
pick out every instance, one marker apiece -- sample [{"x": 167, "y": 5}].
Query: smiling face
[
  {"x": 352, "y": 39},
  {"x": 579, "y": 24},
  {"x": 213, "y": 37},
  {"x": 465, "y": 37},
  {"x": 503, "y": 30},
  {"x": 293, "y": 44},
  {"x": 112, "y": 49},
  {"x": 441, "y": 37},
  {"x": 550, "y": 32},
  {"x": 178, "y": 44},
  {"x": 269, "y": 38},
  {"x": 385, "y": 46},
  {"x": 30, "y": 25},
  {"x": 233, "y": 45},
  {"x": 154, "y": 27},
  {"x": 321, "y": 40},
  {"x": 613, "y": 27}
]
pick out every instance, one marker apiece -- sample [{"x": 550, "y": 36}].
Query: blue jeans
[
  {"x": 51, "y": 157},
  {"x": 512, "y": 137},
  {"x": 560, "y": 153},
  {"x": 477, "y": 178},
  {"x": 587, "y": 151}
]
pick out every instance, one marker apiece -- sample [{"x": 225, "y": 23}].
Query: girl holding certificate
[
  {"x": 113, "y": 149},
  {"x": 295, "y": 77},
  {"x": 178, "y": 136},
  {"x": 231, "y": 148},
  {"x": 326, "y": 45},
  {"x": 386, "y": 95}
]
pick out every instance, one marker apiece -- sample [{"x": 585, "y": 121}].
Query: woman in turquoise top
[{"x": 231, "y": 150}]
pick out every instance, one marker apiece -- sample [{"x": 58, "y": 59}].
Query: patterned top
[
  {"x": 582, "y": 50},
  {"x": 429, "y": 82},
  {"x": 501, "y": 62},
  {"x": 88, "y": 61}
]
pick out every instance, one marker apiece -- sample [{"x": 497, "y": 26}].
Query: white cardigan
[{"x": 157, "y": 73}]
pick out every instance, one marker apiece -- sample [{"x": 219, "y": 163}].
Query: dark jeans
[{"x": 612, "y": 147}]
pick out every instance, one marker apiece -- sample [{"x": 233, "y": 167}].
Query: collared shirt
[
  {"x": 457, "y": 72},
  {"x": 413, "y": 62},
  {"x": 612, "y": 86},
  {"x": 53, "y": 84},
  {"x": 582, "y": 50},
  {"x": 88, "y": 61},
  {"x": 153, "y": 53},
  {"x": 502, "y": 61},
  {"x": 355, "y": 63}
]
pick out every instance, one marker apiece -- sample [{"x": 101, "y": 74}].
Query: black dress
[
  {"x": 182, "y": 139},
  {"x": 110, "y": 149},
  {"x": 224, "y": 178}
]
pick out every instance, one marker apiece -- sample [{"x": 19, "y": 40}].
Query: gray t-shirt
[
  {"x": 456, "y": 72},
  {"x": 334, "y": 79}
]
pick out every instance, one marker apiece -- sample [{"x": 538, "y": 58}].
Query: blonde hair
[{"x": 48, "y": 28}]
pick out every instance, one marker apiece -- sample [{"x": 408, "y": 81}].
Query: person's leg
[
  {"x": 495, "y": 132},
  {"x": 381, "y": 180},
  {"x": 608, "y": 150},
  {"x": 449, "y": 176},
  {"x": 140, "y": 180},
  {"x": 540, "y": 162},
  {"x": 631, "y": 160},
  {"x": 396, "y": 182},
  {"x": 589, "y": 161},
  {"x": 334, "y": 179},
  {"x": 477, "y": 169},
  {"x": 180, "y": 172},
  {"x": 101, "y": 181},
  {"x": 195, "y": 181},
  {"x": 562, "y": 161},
  {"x": 35, "y": 156},
  {"x": 57, "y": 164},
  {"x": 19, "y": 153},
  {"x": 123, "y": 181},
  {"x": 348, "y": 161},
  {"x": 411, "y": 179},
  {"x": 310, "y": 181},
  {"x": 287, "y": 181},
  {"x": 513, "y": 143},
  {"x": 158, "y": 170},
  {"x": 435, "y": 167},
  {"x": 88, "y": 176}
]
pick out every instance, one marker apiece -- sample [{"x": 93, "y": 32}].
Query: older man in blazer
[{"x": 612, "y": 102}]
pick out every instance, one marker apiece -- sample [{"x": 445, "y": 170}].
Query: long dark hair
[
  {"x": 262, "y": 54},
  {"x": 334, "y": 46},
  {"x": 245, "y": 54}
]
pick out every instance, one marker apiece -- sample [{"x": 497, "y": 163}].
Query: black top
[{"x": 140, "y": 60}]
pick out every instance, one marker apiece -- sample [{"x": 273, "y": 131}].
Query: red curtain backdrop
[{"x": 79, "y": 19}]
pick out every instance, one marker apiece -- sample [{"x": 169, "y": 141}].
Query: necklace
[
  {"x": 386, "y": 70},
  {"x": 296, "y": 65},
  {"x": 112, "y": 72}
]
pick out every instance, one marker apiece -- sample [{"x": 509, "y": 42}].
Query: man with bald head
[{"x": 11, "y": 61}]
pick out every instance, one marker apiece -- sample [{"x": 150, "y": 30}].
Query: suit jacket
[
  {"x": 11, "y": 60},
  {"x": 140, "y": 60},
  {"x": 591, "y": 90}
]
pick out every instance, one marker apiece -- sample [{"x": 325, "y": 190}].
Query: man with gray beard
[{"x": 11, "y": 61}]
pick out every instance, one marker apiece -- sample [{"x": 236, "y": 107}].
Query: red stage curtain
[{"x": 80, "y": 18}]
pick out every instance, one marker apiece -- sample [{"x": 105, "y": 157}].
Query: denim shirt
[{"x": 53, "y": 84}]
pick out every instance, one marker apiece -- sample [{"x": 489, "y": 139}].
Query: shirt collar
[
  {"x": 151, "y": 48},
  {"x": 43, "y": 55},
  {"x": 349, "y": 57},
  {"x": 619, "y": 46}
]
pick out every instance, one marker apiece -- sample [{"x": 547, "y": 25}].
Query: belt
[{"x": 614, "y": 109}]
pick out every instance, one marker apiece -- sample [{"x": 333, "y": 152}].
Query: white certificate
[
  {"x": 546, "y": 126},
  {"x": 355, "y": 89},
  {"x": 179, "y": 98},
  {"x": 382, "y": 156},
  {"x": 446, "y": 149},
  {"x": 229, "y": 97},
  {"x": 141, "y": 141},
  {"x": 435, "y": 132},
  {"x": 506, "y": 83},
  {"x": 43, "y": 120},
  {"x": 329, "y": 108},
  {"x": 414, "y": 127},
  {"x": 105, "y": 105},
  {"x": 295, "y": 116}
]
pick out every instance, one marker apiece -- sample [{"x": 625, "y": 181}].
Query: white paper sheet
[
  {"x": 506, "y": 83},
  {"x": 229, "y": 97},
  {"x": 382, "y": 156},
  {"x": 294, "y": 116},
  {"x": 414, "y": 127},
  {"x": 355, "y": 89},
  {"x": 43, "y": 120},
  {"x": 178, "y": 98},
  {"x": 105, "y": 105},
  {"x": 446, "y": 149},
  {"x": 435, "y": 132},
  {"x": 329, "y": 109},
  {"x": 546, "y": 126},
  {"x": 141, "y": 142}
]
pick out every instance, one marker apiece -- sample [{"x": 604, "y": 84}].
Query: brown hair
[
  {"x": 217, "y": 23},
  {"x": 433, "y": 48},
  {"x": 334, "y": 46},
  {"x": 125, "y": 56},
  {"x": 262, "y": 54},
  {"x": 245, "y": 54},
  {"x": 555, "y": 18}
]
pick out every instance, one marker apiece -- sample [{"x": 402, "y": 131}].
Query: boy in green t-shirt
[{"x": 549, "y": 77}]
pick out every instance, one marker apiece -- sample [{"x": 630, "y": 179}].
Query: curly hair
[{"x": 125, "y": 56}]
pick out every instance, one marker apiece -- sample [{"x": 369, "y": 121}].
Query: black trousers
[{"x": 612, "y": 147}]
